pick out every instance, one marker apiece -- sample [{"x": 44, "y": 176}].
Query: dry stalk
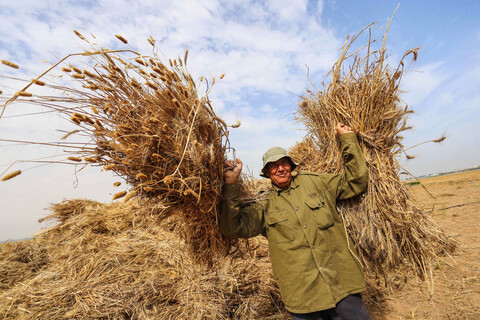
[
  {"x": 146, "y": 122},
  {"x": 390, "y": 230}
]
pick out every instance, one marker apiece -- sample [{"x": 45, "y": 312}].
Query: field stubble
[{"x": 454, "y": 289}]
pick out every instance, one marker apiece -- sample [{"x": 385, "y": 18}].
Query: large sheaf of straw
[
  {"x": 121, "y": 261},
  {"x": 390, "y": 231},
  {"x": 148, "y": 123}
]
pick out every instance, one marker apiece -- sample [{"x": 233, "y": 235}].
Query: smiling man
[{"x": 318, "y": 271}]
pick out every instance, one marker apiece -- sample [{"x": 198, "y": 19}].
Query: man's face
[{"x": 280, "y": 172}]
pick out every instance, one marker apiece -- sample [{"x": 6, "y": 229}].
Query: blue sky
[{"x": 263, "y": 47}]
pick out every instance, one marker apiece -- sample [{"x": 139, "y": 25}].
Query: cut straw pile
[
  {"x": 120, "y": 261},
  {"x": 147, "y": 123},
  {"x": 392, "y": 234}
]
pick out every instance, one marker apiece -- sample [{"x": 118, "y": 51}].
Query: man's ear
[{"x": 265, "y": 173}]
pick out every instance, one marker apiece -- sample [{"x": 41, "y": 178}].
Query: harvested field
[{"x": 455, "y": 282}]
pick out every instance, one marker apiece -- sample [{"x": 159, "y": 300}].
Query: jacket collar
[{"x": 293, "y": 185}]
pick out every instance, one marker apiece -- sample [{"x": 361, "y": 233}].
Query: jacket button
[
  {"x": 305, "y": 226},
  {"x": 296, "y": 208}
]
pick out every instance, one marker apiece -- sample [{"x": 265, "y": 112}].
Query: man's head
[{"x": 278, "y": 166}]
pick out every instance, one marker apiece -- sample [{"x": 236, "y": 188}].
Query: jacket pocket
[
  {"x": 279, "y": 229},
  {"x": 320, "y": 212}
]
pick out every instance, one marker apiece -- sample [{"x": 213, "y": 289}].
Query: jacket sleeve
[
  {"x": 238, "y": 222},
  {"x": 354, "y": 180}
]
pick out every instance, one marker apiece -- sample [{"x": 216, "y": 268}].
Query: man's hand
[
  {"x": 232, "y": 170},
  {"x": 340, "y": 129}
]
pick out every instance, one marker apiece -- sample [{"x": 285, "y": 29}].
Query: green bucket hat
[{"x": 273, "y": 154}]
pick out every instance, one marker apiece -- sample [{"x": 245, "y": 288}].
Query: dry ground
[{"x": 454, "y": 287}]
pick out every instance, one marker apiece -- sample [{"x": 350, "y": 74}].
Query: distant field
[{"x": 454, "y": 202}]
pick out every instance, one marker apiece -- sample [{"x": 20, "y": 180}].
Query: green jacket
[{"x": 312, "y": 257}]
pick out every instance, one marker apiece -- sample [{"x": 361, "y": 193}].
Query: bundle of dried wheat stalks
[
  {"x": 146, "y": 122},
  {"x": 390, "y": 231}
]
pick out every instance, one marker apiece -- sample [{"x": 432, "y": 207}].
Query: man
[{"x": 318, "y": 272}]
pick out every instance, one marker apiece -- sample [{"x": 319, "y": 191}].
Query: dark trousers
[{"x": 349, "y": 308}]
